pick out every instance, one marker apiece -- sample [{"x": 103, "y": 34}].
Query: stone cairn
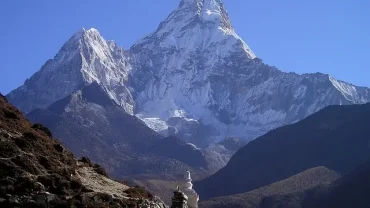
[{"x": 179, "y": 199}]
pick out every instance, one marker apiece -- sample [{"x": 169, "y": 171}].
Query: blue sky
[{"x": 330, "y": 36}]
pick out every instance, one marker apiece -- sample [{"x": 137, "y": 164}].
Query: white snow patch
[
  {"x": 348, "y": 91},
  {"x": 194, "y": 146},
  {"x": 156, "y": 124}
]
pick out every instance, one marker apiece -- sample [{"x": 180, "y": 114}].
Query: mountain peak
[
  {"x": 209, "y": 11},
  {"x": 82, "y": 32},
  {"x": 85, "y": 58},
  {"x": 83, "y": 42},
  {"x": 197, "y": 25}
]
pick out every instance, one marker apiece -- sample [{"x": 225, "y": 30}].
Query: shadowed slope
[
  {"x": 302, "y": 181},
  {"x": 336, "y": 137}
]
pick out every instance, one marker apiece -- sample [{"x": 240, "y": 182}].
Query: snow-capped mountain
[
  {"x": 208, "y": 83},
  {"x": 85, "y": 58},
  {"x": 193, "y": 77}
]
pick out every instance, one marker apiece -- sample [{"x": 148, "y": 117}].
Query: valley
[{"x": 190, "y": 96}]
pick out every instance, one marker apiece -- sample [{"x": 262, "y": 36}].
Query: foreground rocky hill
[
  {"x": 37, "y": 171},
  {"x": 336, "y": 137}
]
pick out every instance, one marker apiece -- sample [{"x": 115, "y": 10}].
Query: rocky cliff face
[{"x": 193, "y": 77}]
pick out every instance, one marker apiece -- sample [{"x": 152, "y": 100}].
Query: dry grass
[{"x": 300, "y": 182}]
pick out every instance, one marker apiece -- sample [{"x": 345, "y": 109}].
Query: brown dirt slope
[{"x": 34, "y": 165}]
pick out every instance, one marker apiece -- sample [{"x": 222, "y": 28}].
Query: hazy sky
[{"x": 329, "y": 36}]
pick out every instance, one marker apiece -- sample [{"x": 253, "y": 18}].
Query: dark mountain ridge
[
  {"x": 352, "y": 190},
  {"x": 336, "y": 137},
  {"x": 314, "y": 188},
  {"x": 103, "y": 131},
  {"x": 298, "y": 183}
]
